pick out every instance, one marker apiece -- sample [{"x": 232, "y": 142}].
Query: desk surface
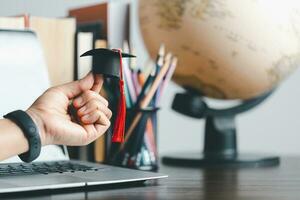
[{"x": 282, "y": 182}]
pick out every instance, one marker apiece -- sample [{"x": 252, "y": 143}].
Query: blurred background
[{"x": 272, "y": 127}]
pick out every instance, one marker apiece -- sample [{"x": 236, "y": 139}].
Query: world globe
[{"x": 227, "y": 49}]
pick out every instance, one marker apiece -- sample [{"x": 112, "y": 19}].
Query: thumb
[
  {"x": 75, "y": 88},
  {"x": 98, "y": 82}
]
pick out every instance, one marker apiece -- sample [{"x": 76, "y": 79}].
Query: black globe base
[
  {"x": 202, "y": 161},
  {"x": 220, "y": 135}
]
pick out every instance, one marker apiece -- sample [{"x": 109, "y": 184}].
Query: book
[
  {"x": 93, "y": 28},
  {"x": 84, "y": 43},
  {"x": 90, "y": 20},
  {"x": 12, "y": 22},
  {"x": 57, "y": 39},
  {"x": 119, "y": 16},
  {"x": 91, "y": 14},
  {"x": 100, "y": 145}
]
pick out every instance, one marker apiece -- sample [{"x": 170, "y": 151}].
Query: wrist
[{"x": 37, "y": 119}]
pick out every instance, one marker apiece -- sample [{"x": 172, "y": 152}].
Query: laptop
[{"x": 20, "y": 57}]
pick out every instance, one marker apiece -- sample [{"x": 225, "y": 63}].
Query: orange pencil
[{"x": 141, "y": 78}]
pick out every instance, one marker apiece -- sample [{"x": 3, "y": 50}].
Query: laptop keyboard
[{"x": 43, "y": 168}]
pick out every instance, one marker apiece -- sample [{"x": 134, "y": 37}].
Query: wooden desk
[{"x": 282, "y": 182}]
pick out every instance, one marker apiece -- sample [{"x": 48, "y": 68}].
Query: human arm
[{"x": 55, "y": 125}]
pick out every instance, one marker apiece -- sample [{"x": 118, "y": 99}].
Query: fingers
[
  {"x": 93, "y": 105},
  {"x": 92, "y": 108},
  {"x": 96, "y": 117},
  {"x": 86, "y": 97}
]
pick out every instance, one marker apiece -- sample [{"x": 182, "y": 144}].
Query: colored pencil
[
  {"x": 159, "y": 64},
  {"x": 167, "y": 78},
  {"x": 141, "y": 78},
  {"x": 145, "y": 88}
]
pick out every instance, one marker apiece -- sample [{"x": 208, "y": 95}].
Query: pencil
[
  {"x": 127, "y": 96},
  {"x": 145, "y": 88},
  {"x": 137, "y": 87},
  {"x": 167, "y": 78},
  {"x": 133, "y": 64},
  {"x": 147, "y": 70},
  {"x": 159, "y": 64},
  {"x": 141, "y": 78},
  {"x": 157, "y": 81}
]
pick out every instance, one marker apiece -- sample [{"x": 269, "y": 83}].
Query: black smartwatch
[{"x": 31, "y": 132}]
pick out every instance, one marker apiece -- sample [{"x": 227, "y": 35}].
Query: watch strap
[{"x": 30, "y": 131}]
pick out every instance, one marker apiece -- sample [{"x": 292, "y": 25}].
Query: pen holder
[{"x": 139, "y": 151}]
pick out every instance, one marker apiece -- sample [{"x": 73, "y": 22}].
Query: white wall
[{"x": 273, "y": 127}]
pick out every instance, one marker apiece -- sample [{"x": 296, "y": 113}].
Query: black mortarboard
[
  {"x": 109, "y": 63},
  {"x": 108, "y": 60}
]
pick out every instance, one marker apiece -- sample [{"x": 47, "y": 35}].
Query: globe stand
[{"x": 220, "y": 143}]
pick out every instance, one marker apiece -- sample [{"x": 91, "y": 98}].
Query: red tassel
[{"x": 119, "y": 126}]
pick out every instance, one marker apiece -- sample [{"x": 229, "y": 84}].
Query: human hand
[{"x": 50, "y": 112}]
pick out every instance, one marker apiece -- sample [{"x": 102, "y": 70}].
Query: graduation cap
[
  {"x": 111, "y": 65},
  {"x": 109, "y": 61}
]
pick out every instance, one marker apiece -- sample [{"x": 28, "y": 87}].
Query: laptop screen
[{"x": 23, "y": 77}]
